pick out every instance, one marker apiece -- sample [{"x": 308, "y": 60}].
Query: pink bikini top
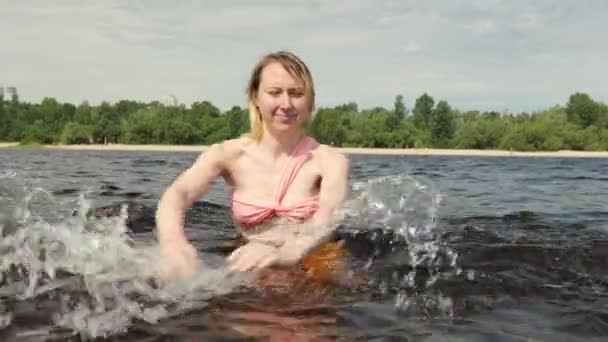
[{"x": 249, "y": 211}]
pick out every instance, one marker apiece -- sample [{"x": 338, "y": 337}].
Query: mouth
[{"x": 287, "y": 116}]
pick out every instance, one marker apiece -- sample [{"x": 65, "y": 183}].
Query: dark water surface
[{"x": 441, "y": 249}]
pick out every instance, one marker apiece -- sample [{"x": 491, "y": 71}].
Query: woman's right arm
[{"x": 187, "y": 188}]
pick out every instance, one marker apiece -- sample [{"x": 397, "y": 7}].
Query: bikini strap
[{"x": 300, "y": 154}]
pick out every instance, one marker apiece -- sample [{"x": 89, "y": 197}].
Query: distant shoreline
[{"x": 346, "y": 150}]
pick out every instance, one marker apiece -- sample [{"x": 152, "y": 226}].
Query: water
[{"x": 441, "y": 248}]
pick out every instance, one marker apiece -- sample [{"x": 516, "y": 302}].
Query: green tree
[
  {"x": 176, "y": 132},
  {"x": 4, "y": 122},
  {"x": 399, "y": 108},
  {"x": 423, "y": 110},
  {"x": 581, "y": 125},
  {"x": 602, "y": 120},
  {"x": 107, "y": 123},
  {"x": 123, "y": 108},
  {"x": 582, "y": 110},
  {"x": 442, "y": 125},
  {"x": 326, "y": 127},
  {"x": 83, "y": 114},
  {"x": 76, "y": 133},
  {"x": 238, "y": 121},
  {"x": 145, "y": 126},
  {"x": 52, "y": 118}
]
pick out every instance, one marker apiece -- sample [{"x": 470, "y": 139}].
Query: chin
[
  {"x": 286, "y": 127},
  {"x": 279, "y": 122}
]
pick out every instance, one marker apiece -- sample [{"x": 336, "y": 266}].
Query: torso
[{"x": 251, "y": 174}]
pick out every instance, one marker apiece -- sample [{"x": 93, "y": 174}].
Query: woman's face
[{"x": 281, "y": 100}]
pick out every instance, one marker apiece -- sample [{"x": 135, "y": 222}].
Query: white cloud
[
  {"x": 411, "y": 47},
  {"x": 530, "y": 21},
  {"x": 481, "y": 27},
  {"x": 482, "y": 53}
]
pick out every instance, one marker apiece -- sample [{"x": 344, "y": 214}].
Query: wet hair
[{"x": 295, "y": 67}]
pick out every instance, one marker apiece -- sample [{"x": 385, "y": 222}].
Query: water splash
[
  {"x": 101, "y": 278},
  {"x": 406, "y": 209}
]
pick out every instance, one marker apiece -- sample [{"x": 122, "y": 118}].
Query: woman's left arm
[{"x": 320, "y": 228}]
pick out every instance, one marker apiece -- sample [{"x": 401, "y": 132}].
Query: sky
[{"x": 508, "y": 56}]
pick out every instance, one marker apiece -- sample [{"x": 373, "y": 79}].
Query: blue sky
[{"x": 490, "y": 55}]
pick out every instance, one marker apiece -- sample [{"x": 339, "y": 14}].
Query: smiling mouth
[{"x": 288, "y": 116}]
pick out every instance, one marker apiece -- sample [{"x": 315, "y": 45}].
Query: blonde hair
[{"x": 295, "y": 67}]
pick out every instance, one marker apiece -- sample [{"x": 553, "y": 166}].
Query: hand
[
  {"x": 250, "y": 256},
  {"x": 179, "y": 261},
  {"x": 276, "y": 236},
  {"x": 286, "y": 256}
]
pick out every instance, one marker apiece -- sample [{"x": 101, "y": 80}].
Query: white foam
[
  {"x": 111, "y": 274},
  {"x": 407, "y": 207}
]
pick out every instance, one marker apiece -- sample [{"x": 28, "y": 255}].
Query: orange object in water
[
  {"x": 324, "y": 264},
  {"x": 320, "y": 268}
]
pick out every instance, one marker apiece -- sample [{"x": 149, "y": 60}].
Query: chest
[{"x": 259, "y": 178}]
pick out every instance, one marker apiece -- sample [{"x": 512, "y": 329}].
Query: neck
[{"x": 280, "y": 144}]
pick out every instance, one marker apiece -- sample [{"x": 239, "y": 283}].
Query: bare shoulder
[
  {"x": 226, "y": 151},
  {"x": 332, "y": 159}
]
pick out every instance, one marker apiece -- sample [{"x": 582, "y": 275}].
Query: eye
[{"x": 296, "y": 93}]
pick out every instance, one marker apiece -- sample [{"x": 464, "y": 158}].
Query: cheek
[
  {"x": 302, "y": 104},
  {"x": 267, "y": 104},
  {"x": 304, "y": 116}
]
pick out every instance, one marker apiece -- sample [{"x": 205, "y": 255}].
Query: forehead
[{"x": 275, "y": 74}]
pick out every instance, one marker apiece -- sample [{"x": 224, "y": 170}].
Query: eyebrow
[{"x": 300, "y": 88}]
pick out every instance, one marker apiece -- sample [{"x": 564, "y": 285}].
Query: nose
[{"x": 285, "y": 101}]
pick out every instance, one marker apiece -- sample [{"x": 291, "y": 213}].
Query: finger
[
  {"x": 245, "y": 265},
  {"x": 252, "y": 261},
  {"x": 256, "y": 260},
  {"x": 269, "y": 241},
  {"x": 236, "y": 254},
  {"x": 248, "y": 249},
  {"x": 269, "y": 259},
  {"x": 241, "y": 264},
  {"x": 241, "y": 257},
  {"x": 234, "y": 264},
  {"x": 266, "y": 262}
]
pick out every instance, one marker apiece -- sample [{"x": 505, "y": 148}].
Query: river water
[{"x": 440, "y": 249}]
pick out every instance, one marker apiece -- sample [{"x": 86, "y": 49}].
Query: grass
[{"x": 29, "y": 144}]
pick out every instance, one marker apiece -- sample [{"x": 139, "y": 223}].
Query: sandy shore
[{"x": 347, "y": 150}]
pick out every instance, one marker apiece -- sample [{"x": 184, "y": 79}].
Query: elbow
[{"x": 173, "y": 199}]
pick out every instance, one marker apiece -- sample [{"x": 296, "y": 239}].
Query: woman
[{"x": 286, "y": 187}]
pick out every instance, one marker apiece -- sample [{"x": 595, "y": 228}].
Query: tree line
[{"x": 580, "y": 124}]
